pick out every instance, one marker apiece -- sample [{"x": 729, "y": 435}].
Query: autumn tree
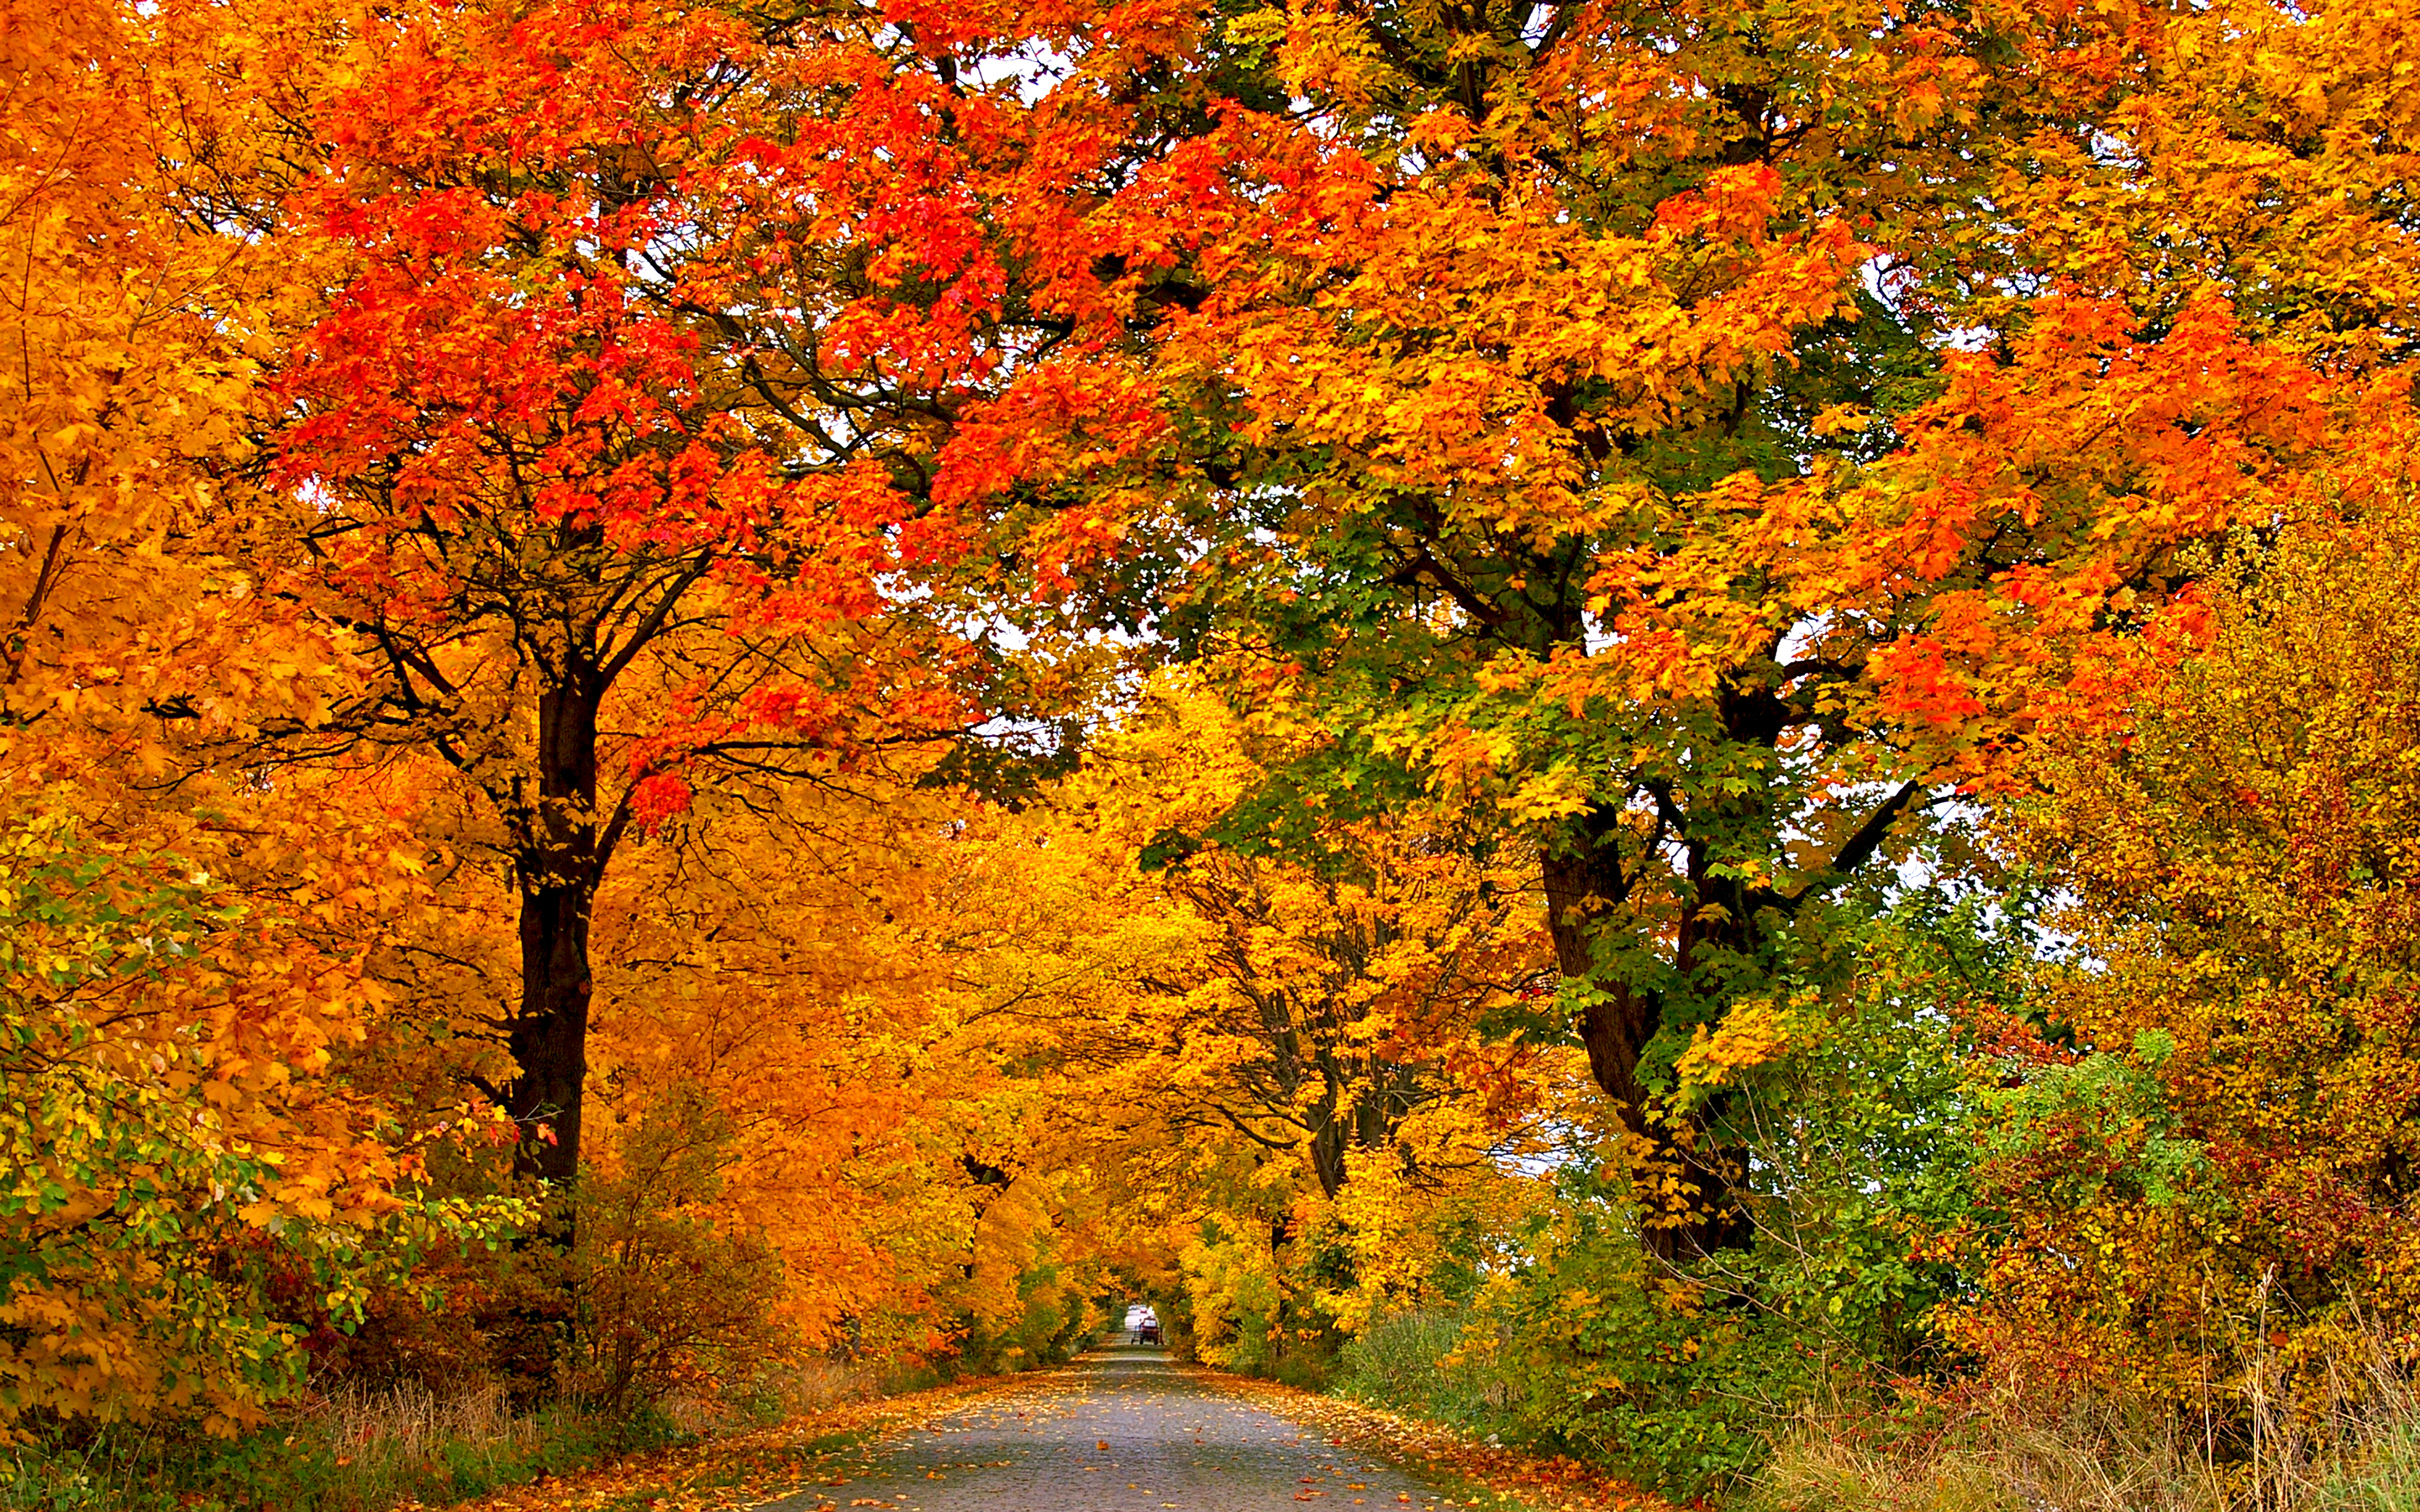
[
  {"x": 1326, "y": 994},
  {"x": 620, "y": 463},
  {"x": 131, "y": 322},
  {"x": 1659, "y": 429},
  {"x": 791, "y": 960},
  {"x": 1308, "y": 1004},
  {"x": 1274, "y": 1076},
  {"x": 196, "y": 1185},
  {"x": 1329, "y": 989}
]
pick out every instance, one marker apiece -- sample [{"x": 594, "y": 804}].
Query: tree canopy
[{"x": 1709, "y": 698}]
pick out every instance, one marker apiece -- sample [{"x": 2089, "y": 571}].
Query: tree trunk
[
  {"x": 559, "y": 866},
  {"x": 549, "y": 1035},
  {"x": 1327, "y": 1155},
  {"x": 1582, "y": 883}
]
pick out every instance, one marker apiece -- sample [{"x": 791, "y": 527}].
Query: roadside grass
[
  {"x": 2013, "y": 1450},
  {"x": 363, "y": 1453},
  {"x": 372, "y": 1450}
]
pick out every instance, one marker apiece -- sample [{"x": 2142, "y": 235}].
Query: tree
[
  {"x": 1326, "y": 995},
  {"x": 193, "y": 1184},
  {"x": 1279, "y": 1070},
  {"x": 1646, "y": 425},
  {"x": 789, "y": 960},
  {"x": 616, "y": 464},
  {"x": 129, "y": 329}
]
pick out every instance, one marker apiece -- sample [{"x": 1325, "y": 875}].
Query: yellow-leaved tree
[
  {"x": 195, "y": 1193},
  {"x": 1292, "y": 1069}
]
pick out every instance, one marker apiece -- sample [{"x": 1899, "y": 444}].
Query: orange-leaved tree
[
  {"x": 794, "y": 962},
  {"x": 1660, "y": 427},
  {"x": 199, "y": 1188},
  {"x": 195, "y": 1189},
  {"x": 616, "y": 464}
]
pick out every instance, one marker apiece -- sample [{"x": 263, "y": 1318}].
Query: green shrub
[
  {"x": 1849, "y": 1106},
  {"x": 180, "y": 1232},
  {"x": 1408, "y": 1361},
  {"x": 1309, "y": 1365}
]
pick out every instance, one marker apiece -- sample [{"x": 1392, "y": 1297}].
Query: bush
[
  {"x": 777, "y": 1391},
  {"x": 663, "y": 1295},
  {"x": 1408, "y": 1361},
  {"x": 1850, "y": 1107},
  {"x": 1306, "y": 1369},
  {"x": 195, "y": 1197},
  {"x": 2209, "y": 1210}
]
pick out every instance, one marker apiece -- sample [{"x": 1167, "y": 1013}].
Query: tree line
[{"x": 1603, "y": 717}]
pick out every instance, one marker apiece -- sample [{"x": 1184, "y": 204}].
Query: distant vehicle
[{"x": 1147, "y": 1331}]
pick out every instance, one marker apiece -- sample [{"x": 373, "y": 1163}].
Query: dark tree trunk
[
  {"x": 1583, "y": 883},
  {"x": 1375, "y": 1118},
  {"x": 559, "y": 865},
  {"x": 1327, "y": 1155},
  {"x": 548, "y": 1035}
]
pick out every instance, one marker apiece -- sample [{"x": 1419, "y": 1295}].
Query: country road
[{"x": 1120, "y": 1430}]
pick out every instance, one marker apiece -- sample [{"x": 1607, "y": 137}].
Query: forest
[{"x": 1685, "y": 734}]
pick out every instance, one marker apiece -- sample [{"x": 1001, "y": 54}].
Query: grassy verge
[
  {"x": 2016, "y": 1457},
  {"x": 2339, "y": 1433},
  {"x": 355, "y": 1450},
  {"x": 364, "y": 1452}
]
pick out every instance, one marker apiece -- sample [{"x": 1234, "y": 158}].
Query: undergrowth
[
  {"x": 1869, "y": 1448},
  {"x": 365, "y": 1450},
  {"x": 361, "y": 1453}
]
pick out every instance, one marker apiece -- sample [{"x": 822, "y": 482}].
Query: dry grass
[
  {"x": 2006, "y": 1456},
  {"x": 407, "y": 1443},
  {"x": 2357, "y": 1450},
  {"x": 412, "y": 1423},
  {"x": 1822, "y": 1471},
  {"x": 778, "y": 1391},
  {"x": 2347, "y": 1440}
]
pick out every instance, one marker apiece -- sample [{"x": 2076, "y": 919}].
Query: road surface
[{"x": 1120, "y": 1430}]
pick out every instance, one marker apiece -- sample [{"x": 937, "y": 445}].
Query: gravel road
[{"x": 1120, "y": 1430}]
